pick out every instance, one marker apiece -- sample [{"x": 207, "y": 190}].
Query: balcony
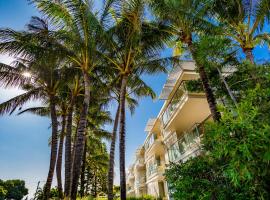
[
  {"x": 140, "y": 182},
  {"x": 155, "y": 171},
  {"x": 139, "y": 164},
  {"x": 187, "y": 145},
  {"x": 130, "y": 177},
  {"x": 178, "y": 99},
  {"x": 156, "y": 146}
]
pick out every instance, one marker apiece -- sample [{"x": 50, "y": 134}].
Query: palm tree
[
  {"x": 136, "y": 88},
  {"x": 75, "y": 90},
  {"x": 134, "y": 50},
  {"x": 186, "y": 18},
  {"x": 34, "y": 47},
  {"x": 81, "y": 32},
  {"x": 243, "y": 21}
]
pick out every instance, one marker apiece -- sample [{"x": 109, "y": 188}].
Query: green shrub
[{"x": 236, "y": 162}]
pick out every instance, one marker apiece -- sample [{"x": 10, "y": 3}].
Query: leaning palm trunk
[
  {"x": 206, "y": 86},
  {"x": 227, "y": 87},
  {"x": 112, "y": 153},
  {"x": 68, "y": 161},
  {"x": 80, "y": 139},
  {"x": 48, "y": 184},
  {"x": 122, "y": 133},
  {"x": 60, "y": 157}
]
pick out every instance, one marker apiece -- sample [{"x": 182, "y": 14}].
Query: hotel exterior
[{"x": 173, "y": 136}]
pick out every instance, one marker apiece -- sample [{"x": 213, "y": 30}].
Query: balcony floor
[{"x": 193, "y": 110}]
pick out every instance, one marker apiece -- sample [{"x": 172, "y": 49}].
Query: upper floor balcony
[
  {"x": 187, "y": 145},
  {"x": 179, "y": 98},
  {"x": 153, "y": 145},
  {"x": 139, "y": 164},
  {"x": 187, "y": 106}
]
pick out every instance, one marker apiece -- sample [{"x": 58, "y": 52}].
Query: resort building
[{"x": 174, "y": 135}]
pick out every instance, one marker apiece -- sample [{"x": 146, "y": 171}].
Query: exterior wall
[{"x": 173, "y": 136}]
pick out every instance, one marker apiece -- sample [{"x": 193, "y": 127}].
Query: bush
[{"x": 235, "y": 164}]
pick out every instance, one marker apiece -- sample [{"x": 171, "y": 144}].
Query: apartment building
[{"x": 174, "y": 135}]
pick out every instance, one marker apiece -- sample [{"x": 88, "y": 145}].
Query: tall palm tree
[
  {"x": 76, "y": 89},
  {"x": 34, "y": 47},
  {"x": 136, "y": 87},
  {"x": 134, "y": 50},
  {"x": 186, "y": 18},
  {"x": 243, "y": 21},
  {"x": 81, "y": 32}
]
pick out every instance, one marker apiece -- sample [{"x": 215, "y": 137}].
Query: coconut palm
[
  {"x": 76, "y": 89},
  {"x": 186, "y": 18},
  {"x": 34, "y": 47},
  {"x": 81, "y": 32},
  {"x": 244, "y": 22},
  {"x": 137, "y": 88},
  {"x": 134, "y": 50}
]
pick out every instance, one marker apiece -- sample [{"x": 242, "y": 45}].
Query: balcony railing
[
  {"x": 139, "y": 161},
  {"x": 178, "y": 98},
  {"x": 140, "y": 182},
  {"x": 154, "y": 169},
  {"x": 188, "y": 144},
  {"x": 174, "y": 103}
]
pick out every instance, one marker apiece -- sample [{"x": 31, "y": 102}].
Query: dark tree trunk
[
  {"x": 250, "y": 58},
  {"x": 206, "y": 86},
  {"x": 112, "y": 153},
  {"x": 48, "y": 184},
  {"x": 80, "y": 139},
  {"x": 122, "y": 133},
  {"x": 95, "y": 188},
  {"x": 60, "y": 157},
  {"x": 68, "y": 160},
  {"x": 82, "y": 191},
  {"x": 249, "y": 55}
]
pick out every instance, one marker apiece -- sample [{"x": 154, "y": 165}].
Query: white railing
[
  {"x": 185, "y": 146},
  {"x": 140, "y": 182}
]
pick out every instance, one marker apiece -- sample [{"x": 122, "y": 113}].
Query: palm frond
[{"x": 16, "y": 102}]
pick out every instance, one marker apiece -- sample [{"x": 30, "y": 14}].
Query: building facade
[{"x": 173, "y": 136}]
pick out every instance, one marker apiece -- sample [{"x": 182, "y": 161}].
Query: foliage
[
  {"x": 145, "y": 197},
  {"x": 12, "y": 189},
  {"x": 3, "y": 193},
  {"x": 39, "y": 194},
  {"x": 194, "y": 86},
  {"x": 235, "y": 164}
]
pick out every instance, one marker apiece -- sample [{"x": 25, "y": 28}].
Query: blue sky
[{"x": 24, "y": 139}]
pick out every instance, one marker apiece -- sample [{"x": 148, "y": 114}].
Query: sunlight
[{"x": 27, "y": 74}]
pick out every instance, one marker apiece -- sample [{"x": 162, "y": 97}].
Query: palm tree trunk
[
  {"x": 48, "y": 184},
  {"x": 250, "y": 58},
  {"x": 83, "y": 170},
  {"x": 112, "y": 153},
  {"x": 227, "y": 87},
  {"x": 249, "y": 55},
  {"x": 80, "y": 139},
  {"x": 60, "y": 157},
  {"x": 206, "y": 86},
  {"x": 122, "y": 133},
  {"x": 68, "y": 161}
]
